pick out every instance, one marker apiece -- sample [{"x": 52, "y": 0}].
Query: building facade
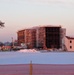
[
  {"x": 21, "y": 36},
  {"x": 50, "y": 37},
  {"x": 45, "y": 37},
  {"x": 69, "y": 43},
  {"x": 27, "y": 37}
]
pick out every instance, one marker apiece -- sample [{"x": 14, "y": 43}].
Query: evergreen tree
[{"x": 1, "y": 24}]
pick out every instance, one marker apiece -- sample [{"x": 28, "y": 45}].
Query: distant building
[
  {"x": 27, "y": 37},
  {"x": 69, "y": 43},
  {"x": 45, "y": 37},
  {"x": 21, "y": 36},
  {"x": 50, "y": 37}
]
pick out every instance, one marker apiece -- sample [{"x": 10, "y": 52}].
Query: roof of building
[
  {"x": 49, "y": 26},
  {"x": 68, "y": 37},
  {"x": 35, "y": 27}
]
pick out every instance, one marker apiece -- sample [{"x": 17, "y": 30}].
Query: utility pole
[
  {"x": 12, "y": 43},
  {"x": 31, "y": 68}
]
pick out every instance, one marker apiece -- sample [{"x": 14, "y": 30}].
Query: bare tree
[{"x": 1, "y": 24}]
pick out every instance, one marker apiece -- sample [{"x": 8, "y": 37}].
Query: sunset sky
[{"x": 21, "y": 14}]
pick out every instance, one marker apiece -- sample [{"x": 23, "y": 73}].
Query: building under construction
[
  {"x": 45, "y": 37},
  {"x": 27, "y": 37}
]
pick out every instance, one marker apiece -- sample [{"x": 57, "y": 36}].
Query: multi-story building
[
  {"x": 69, "y": 43},
  {"x": 46, "y": 37},
  {"x": 21, "y": 36},
  {"x": 49, "y": 37},
  {"x": 27, "y": 37}
]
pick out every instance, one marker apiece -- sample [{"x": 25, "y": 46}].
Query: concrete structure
[
  {"x": 63, "y": 34},
  {"x": 45, "y": 37},
  {"x": 27, "y": 37},
  {"x": 69, "y": 43},
  {"x": 50, "y": 37},
  {"x": 21, "y": 36}
]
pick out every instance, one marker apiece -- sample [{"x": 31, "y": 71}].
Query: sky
[{"x": 21, "y": 14}]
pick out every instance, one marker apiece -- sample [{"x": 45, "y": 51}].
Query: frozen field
[{"x": 24, "y": 57}]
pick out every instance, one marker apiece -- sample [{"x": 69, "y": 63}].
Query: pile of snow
[{"x": 28, "y": 50}]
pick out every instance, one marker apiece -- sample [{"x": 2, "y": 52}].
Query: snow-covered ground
[
  {"x": 28, "y": 50},
  {"x": 24, "y": 57}
]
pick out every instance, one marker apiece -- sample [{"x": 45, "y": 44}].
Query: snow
[
  {"x": 28, "y": 50},
  {"x": 24, "y": 57}
]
